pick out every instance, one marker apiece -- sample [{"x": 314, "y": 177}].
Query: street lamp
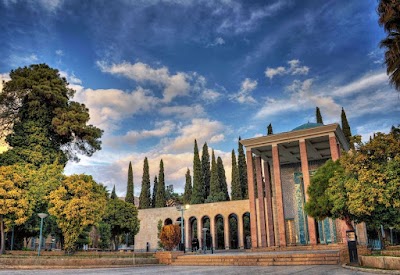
[
  {"x": 182, "y": 208},
  {"x": 41, "y": 216}
]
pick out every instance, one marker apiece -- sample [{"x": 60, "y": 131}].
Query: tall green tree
[
  {"x": 113, "y": 193},
  {"x": 129, "y": 189},
  {"x": 389, "y": 18},
  {"x": 269, "y": 130},
  {"x": 153, "y": 198},
  {"x": 222, "y": 178},
  {"x": 318, "y": 115},
  {"x": 236, "y": 190},
  {"x": 144, "y": 199},
  {"x": 346, "y": 128},
  {"x": 160, "y": 196},
  {"x": 215, "y": 186},
  {"x": 188, "y": 188},
  {"x": 242, "y": 170},
  {"x": 206, "y": 172},
  {"x": 42, "y": 122},
  {"x": 198, "y": 188}
]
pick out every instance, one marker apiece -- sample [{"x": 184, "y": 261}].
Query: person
[{"x": 195, "y": 244}]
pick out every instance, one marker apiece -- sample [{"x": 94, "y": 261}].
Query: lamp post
[
  {"x": 182, "y": 208},
  {"x": 41, "y": 216}
]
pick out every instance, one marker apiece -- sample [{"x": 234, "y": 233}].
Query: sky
[{"x": 158, "y": 74}]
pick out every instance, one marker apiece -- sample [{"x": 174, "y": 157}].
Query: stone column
[
  {"x": 212, "y": 231},
  {"x": 240, "y": 231},
  {"x": 252, "y": 200},
  {"x": 226, "y": 232},
  {"x": 306, "y": 180},
  {"x": 279, "y": 199},
  {"x": 261, "y": 209},
  {"x": 268, "y": 208},
  {"x": 188, "y": 240},
  {"x": 200, "y": 232}
]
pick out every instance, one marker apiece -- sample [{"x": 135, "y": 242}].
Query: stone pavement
[{"x": 183, "y": 270}]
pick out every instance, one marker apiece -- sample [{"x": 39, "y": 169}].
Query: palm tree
[{"x": 389, "y": 18}]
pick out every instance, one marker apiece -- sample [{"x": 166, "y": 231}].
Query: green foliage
[
  {"x": 198, "y": 188},
  {"x": 42, "y": 123},
  {"x": 389, "y": 18},
  {"x": 130, "y": 188},
  {"x": 105, "y": 235},
  {"x": 205, "y": 168},
  {"x": 188, "y": 188},
  {"x": 269, "y": 130},
  {"x": 77, "y": 203},
  {"x": 215, "y": 187},
  {"x": 160, "y": 196},
  {"x": 242, "y": 166},
  {"x": 159, "y": 227},
  {"x": 144, "y": 199},
  {"x": 222, "y": 178},
  {"x": 236, "y": 190},
  {"x": 113, "y": 194},
  {"x": 346, "y": 129},
  {"x": 318, "y": 116},
  {"x": 153, "y": 198}
]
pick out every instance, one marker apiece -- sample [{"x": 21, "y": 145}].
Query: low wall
[
  {"x": 382, "y": 262},
  {"x": 166, "y": 257},
  {"x": 395, "y": 253},
  {"x": 362, "y": 250}
]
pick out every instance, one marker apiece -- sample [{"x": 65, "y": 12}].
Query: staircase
[{"x": 325, "y": 257}]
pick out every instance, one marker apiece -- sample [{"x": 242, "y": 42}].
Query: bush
[{"x": 170, "y": 236}]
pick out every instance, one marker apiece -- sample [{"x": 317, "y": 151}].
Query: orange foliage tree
[{"x": 170, "y": 236}]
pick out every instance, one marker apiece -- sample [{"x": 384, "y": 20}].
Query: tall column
[
  {"x": 200, "y": 232},
  {"x": 226, "y": 232},
  {"x": 212, "y": 231},
  {"x": 252, "y": 200},
  {"x": 306, "y": 180},
  {"x": 268, "y": 209},
  {"x": 240, "y": 231},
  {"x": 188, "y": 240},
  {"x": 279, "y": 199},
  {"x": 261, "y": 209}
]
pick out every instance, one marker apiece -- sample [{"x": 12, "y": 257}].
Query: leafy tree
[
  {"x": 242, "y": 170},
  {"x": 129, "y": 189},
  {"x": 389, "y": 18},
  {"x": 153, "y": 198},
  {"x": 318, "y": 115},
  {"x": 160, "y": 196},
  {"x": 144, "y": 199},
  {"x": 198, "y": 189},
  {"x": 77, "y": 203},
  {"x": 122, "y": 218},
  {"x": 42, "y": 122},
  {"x": 105, "y": 235},
  {"x": 15, "y": 205},
  {"x": 170, "y": 236},
  {"x": 236, "y": 190},
  {"x": 222, "y": 178},
  {"x": 215, "y": 187},
  {"x": 188, "y": 188},
  {"x": 346, "y": 129},
  {"x": 113, "y": 193},
  {"x": 269, "y": 130},
  {"x": 205, "y": 167},
  {"x": 159, "y": 228}
]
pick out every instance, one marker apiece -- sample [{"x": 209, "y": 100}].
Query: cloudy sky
[{"x": 158, "y": 74}]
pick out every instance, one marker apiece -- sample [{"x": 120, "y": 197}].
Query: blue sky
[{"x": 158, "y": 74}]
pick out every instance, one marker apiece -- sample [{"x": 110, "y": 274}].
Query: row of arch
[{"x": 219, "y": 232}]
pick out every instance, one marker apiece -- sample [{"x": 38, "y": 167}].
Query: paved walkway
[{"x": 183, "y": 270}]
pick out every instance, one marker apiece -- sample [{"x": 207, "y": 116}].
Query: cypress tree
[
  {"x": 222, "y": 178},
  {"x": 215, "y": 187},
  {"x": 153, "y": 198},
  {"x": 318, "y": 116},
  {"x": 160, "y": 196},
  {"x": 242, "y": 167},
  {"x": 205, "y": 167},
  {"x": 198, "y": 188},
  {"x": 269, "y": 130},
  {"x": 236, "y": 190},
  {"x": 346, "y": 128},
  {"x": 144, "y": 199},
  {"x": 113, "y": 194},
  {"x": 129, "y": 189},
  {"x": 188, "y": 188}
]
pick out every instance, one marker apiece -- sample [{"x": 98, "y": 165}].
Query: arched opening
[
  {"x": 205, "y": 223},
  {"x": 233, "y": 232},
  {"x": 167, "y": 221},
  {"x": 193, "y": 236},
  {"x": 246, "y": 230},
  {"x": 219, "y": 226}
]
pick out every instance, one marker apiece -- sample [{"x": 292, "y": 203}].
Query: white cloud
[
  {"x": 244, "y": 94},
  {"x": 59, "y": 52},
  {"x": 271, "y": 72},
  {"x": 210, "y": 95},
  {"x": 173, "y": 85},
  {"x": 4, "y": 78},
  {"x": 218, "y": 41},
  {"x": 17, "y": 60},
  {"x": 183, "y": 111},
  {"x": 71, "y": 78},
  {"x": 294, "y": 68},
  {"x": 162, "y": 129}
]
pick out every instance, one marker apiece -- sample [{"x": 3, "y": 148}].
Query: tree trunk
[
  {"x": 2, "y": 245},
  {"x": 349, "y": 224}
]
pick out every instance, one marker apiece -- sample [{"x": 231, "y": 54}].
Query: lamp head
[{"x": 42, "y": 215}]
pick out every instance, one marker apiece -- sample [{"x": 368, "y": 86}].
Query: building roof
[{"x": 307, "y": 125}]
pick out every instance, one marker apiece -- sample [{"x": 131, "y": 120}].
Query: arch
[
  {"x": 193, "y": 234},
  {"x": 167, "y": 221},
  {"x": 233, "y": 231},
  {"x": 246, "y": 230},
  {"x": 219, "y": 232},
  {"x": 206, "y": 223}
]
